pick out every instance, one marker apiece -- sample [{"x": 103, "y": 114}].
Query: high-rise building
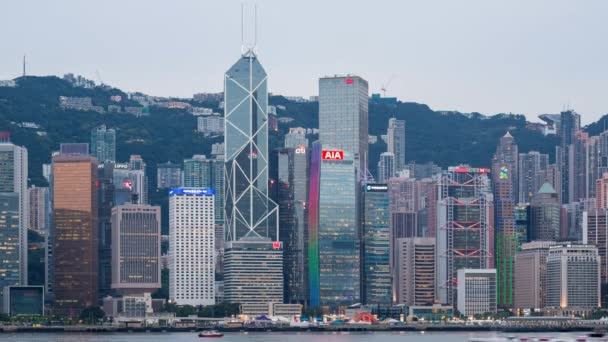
[
  {"x": 505, "y": 183},
  {"x": 168, "y": 176},
  {"x": 530, "y": 275},
  {"x": 376, "y": 282},
  {"x": 532, "y": 169},
  {"x": 573, "y": 278},
  {"x": 386, "y": 167},
  {"x": 106, "y": 200},
  {"x": 595, "y": 232},
  {"x": 292, "y": 199},
  {"x": 40, "y": 210},
  {"x": 103, "y": 144},
  {"x": 476, "y": 291},
  {"x": 296, "y": 137},
  {"x": 137, "y": 166},
  {"x": 465, "y": 233},
  {"x": 395, "y": 143},
  {"x": 579, "y": 167},
  {"x": 201, "y": 172},
  {"x": 601, "y": 191},
  {"x": 570, "y": 123},
  {"x": 333, "y": 228},
  {"x": 414, "y": 271},
  {"x": 545, "y": 214},
  {"x": 75, "y": 231},
  {"x": 10, "y": 271},
  {"x": 251, "y": 217},
  {"x": 253, "y": 271},
  {"x": 343, "y": 112},
  {"x": 522, "y": 224},
  {"x": 191, "y": 246},
  {"x": 13, "y": 179},
  {"x": 136, "y": 248}
]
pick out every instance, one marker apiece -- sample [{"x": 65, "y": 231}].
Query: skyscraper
[
  {"x": 465, "y": 232},
  {"x": 505, "y": 182},
  {"x": 532, "y": 169},
  {"x": 595, "y": 232},
  {"x": 293, "y": 198},
  {"x": 601, "y": 191},
  {"x": 570, "y": 123},
  {"x": 39, "y": 211},
  {"x": 476, "y": 291},
  {"x": 396, "y": 141},
  {"x": 168, "y": 176},
  {"x": 202, "y": 172},
  {"x": 191, "y": 246},
  {"x": 386, "y": 167},
  {"x": 530, "y": 278},
  {"x": 75, "y": 232},
  {"x": 545, "y": 214},
  {"x": 573, "y": 278},
  {"x": 136, "y": 248},
  {"x": 333, "y": 228},
  {"x": 13, "y": 179},
  {"x": 137, "y": 166},
  {"x": 103, "y": 144},
  {"x": 10, "y": 265},
  {"x": 251, "y": 217},
  {"x": 377, "y": 281},
  {"x": 296, "y": 137},
  {"x": 343, "y": 116},
  {"x": 415, "y": 271}
]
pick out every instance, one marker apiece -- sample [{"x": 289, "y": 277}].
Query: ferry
[{"x": 211, "y": 334}]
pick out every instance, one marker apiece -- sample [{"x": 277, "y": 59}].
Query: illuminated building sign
[
  {"x": 504, "y": 173},
  {"x": 349, "y": 81},
  {"x": 376, "y": 187},
  {"x": 332, "y": 154},
  {"x": 127, "y": 184},
  {"x": 300, "y": 150},
  {"x": 276, "y": 245},
  {"x": 191, "y": 191},
  {"x": 464, "y": 169}
]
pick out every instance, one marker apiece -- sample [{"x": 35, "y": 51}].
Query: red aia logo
[
  {"x": 276, "y": 245},
  {"x": 350, "y": 81},
  {"x": 333, "y": 155}
]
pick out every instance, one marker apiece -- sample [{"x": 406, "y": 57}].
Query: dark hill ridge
[{"x": 169, "y": 134}]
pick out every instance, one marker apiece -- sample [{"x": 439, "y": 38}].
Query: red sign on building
[
  {"x": 276, "y": 245},
  {"x": 332, "y": 154}
]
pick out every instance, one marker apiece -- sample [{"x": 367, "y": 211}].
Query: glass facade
[
  {"x": 292, "y": 198},
  {"x": 343, "y": 115},
  {"x": 103, "y": 144},
  {"x": 465, "y": 233},
  {"x": 376, "y": 228},
  {"x": 249, "y": 212},
  {"x": 9, "y": 240},
  {"x": 200, "y": 172},
  {"x": 75, "y": 227},
  {"x": 334, "y": 247}
]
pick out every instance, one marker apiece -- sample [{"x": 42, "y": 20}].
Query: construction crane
[{"x": 386, "y": 84}]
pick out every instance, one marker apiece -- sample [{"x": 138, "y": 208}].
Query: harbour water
[{"x": 276, "y": 337}]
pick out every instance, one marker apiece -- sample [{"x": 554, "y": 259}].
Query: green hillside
[{"x": 169, "y": 134}]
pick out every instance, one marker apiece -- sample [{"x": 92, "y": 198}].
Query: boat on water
[{"x": 210, "y": 334}]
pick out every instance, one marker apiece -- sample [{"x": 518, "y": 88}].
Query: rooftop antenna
[
  {"x": 248, "y": 46},
  {"x": 23, "y": 65}
]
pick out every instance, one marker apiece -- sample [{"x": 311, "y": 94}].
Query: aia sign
[{"x": 332, "y": 154}]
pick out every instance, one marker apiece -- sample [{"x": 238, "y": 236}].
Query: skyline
[{"x": 484, "y": 57}]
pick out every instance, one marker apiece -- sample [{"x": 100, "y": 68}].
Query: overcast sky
[{"x": 516, "y": 56}]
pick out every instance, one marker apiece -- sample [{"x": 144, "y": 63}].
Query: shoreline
[{"x": 366, "y": 328}]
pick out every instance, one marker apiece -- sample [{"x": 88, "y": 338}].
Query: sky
[{"x": 516, "y": 56}]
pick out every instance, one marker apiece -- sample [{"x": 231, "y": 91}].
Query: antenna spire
[
  {"x": 249, "y": 43},
  {"x": 24, "y": 66}
]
